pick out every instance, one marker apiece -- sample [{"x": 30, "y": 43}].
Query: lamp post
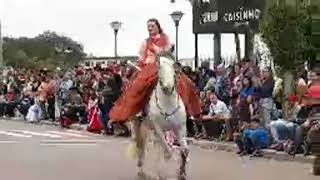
[
  {"x": 176, "y": 17},
  {"x": 1, "y": 52},
  {"x": 115, "y": 25}
]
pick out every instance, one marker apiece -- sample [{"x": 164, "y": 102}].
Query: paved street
[{"x": 42, "y": 152}]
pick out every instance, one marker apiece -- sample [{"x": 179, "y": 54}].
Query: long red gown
[
  {"x": 95, "y": 124},
  {"x": 137, "y": 95}
]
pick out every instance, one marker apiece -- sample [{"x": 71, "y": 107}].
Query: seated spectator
[
  {"x": 2, "y": 104},
  {"x": 73, "y": 111},
  {"x": 253, "y": 139},
  {"x": 10, "y": 103},
  {"x": 34, "y": 112},
  {"x": 312, "y": 128},
  {"x": 25, "y": 103},
  {"x": 287, "y": 135},
  {"x": 218, "y": 111}
]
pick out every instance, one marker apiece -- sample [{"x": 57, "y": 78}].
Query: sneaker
[
  {"x": 243, "y": 153},
  {"x": 257, "y": 153}
]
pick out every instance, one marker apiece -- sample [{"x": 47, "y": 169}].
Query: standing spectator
[
  {"x": 65, "y": 86},
  {"x": 247, "y": 89},
  {"x": 266, "y": 90},
  {"x": 211, "y": 81},
  {"x": 221, "y": 85}
]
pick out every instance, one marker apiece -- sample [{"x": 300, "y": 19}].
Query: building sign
[
  {"x": 223, "y": 15},
  {"x": 242, "y": 15},
  {"x": 208, "y": 17}
]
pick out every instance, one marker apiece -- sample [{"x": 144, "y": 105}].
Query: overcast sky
[{"x": 87, "y": 21}]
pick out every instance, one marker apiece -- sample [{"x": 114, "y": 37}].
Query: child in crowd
[{"x": 253, "y": 138}]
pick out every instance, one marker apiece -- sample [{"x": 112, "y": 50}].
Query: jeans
[
  {"x": 282, "y": 130},
  {"x": 105, "y": 109},
  {"x": 266, "y": 106},
  {"x": 104, "y": 119},
  {"x": 250, "y": 142},
  {"x": 248, "y": 145}
]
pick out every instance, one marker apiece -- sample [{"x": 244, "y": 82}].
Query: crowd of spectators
[
  {"x": 241, "y": 103},
  {"x": 244, "y": 103},
  {"x": 83, "y": 95}
]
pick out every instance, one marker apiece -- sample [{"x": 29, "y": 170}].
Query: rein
[{"x": 167, "y": 115}]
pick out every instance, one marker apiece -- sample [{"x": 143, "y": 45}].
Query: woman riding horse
[{"x": 137, "y": 95}]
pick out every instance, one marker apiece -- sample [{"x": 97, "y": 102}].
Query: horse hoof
[
  {"x": 167, "y": 156},
  {"x": 141, "y": 175},
  {"x": 162, "y": 178},
  {"x": 182, "y": 177}
]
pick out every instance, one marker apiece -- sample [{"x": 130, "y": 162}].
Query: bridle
[{"x": 167, "y": 115}]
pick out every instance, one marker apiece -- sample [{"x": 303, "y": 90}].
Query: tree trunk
[
  {"x": 217, "y": 48},
  {"x": 237, "y": 42},
  {"x": 288, "y": 82},
  {"x": 288, "y": 88}
]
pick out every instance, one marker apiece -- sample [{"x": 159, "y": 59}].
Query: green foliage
[
  {"x": 285, "y": 30},
  {"x": 47, "y": 50}
]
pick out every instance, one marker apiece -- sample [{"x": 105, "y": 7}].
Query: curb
[
  {"x": 220, "y": 146},
  {"x": 268, "y": 153},
  {"x": 46, "y": 122},
  {"x": 78, "y": 127}
]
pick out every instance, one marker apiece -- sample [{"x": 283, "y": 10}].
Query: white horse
[{"x": 166, "y": 112}]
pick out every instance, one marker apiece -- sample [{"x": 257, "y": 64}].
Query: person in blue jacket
[{"x": 254, "y": 138}]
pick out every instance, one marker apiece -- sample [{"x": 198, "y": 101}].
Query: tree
[
  {"x": 47, "y": 50},
  {"x": 284, "y": 29}
]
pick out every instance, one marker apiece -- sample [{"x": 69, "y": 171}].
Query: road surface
[{"x": 42, "y": 152}]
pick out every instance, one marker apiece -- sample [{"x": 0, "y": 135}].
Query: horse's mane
[{"x": 166, "y": 54}]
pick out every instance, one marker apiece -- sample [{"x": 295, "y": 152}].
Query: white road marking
[
  {"x": 83, "y": 132},
  {"x": 15, "y": 134},
  {"x": 75, "y": 141},
  {"x": 39, "y": 134},
  {"x": 8, "y": 142},
  {"x": 67, "y": 134},
  {"x": 64, "y": 144}
]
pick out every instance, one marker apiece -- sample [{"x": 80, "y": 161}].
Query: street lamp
[
  {"x": 115, "y": 25},
  {"x": 1, "y": 49},
  {"x": 176, "y": 17}
]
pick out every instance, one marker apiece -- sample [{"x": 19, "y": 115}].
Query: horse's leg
[
  {"x": 160, "y": 135},
  {"x": 139, "y": 140},
  {"x": 184, "y": 150}
]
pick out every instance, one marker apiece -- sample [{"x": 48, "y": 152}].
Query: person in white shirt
[
  {"x": 219, "y": 112},
  {"x": 218, "y": 109}
]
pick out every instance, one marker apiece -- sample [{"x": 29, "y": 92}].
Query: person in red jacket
[{"x": 136, "y": 97}]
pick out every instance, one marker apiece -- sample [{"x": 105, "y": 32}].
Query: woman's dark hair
[
  {"x": 157, "y": 24},
  {"x": 211, "y": 74},
  {"x": 304, "y": 75},
  {"x": 249, "y": 79},
  {"x": 187, "y": 70}
]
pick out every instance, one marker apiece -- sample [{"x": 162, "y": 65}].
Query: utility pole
[{"x": 1, "y": 52}]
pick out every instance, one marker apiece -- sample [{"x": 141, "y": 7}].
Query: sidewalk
[
  {"x": 268, "y": 153},
  {"x": 75, "y": 126},
  {"x": 224, "y": 146}
]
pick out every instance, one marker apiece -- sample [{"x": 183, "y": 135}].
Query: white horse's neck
[{"x": 165, "y": 100}]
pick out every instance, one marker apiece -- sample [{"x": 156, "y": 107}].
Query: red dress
[
  {"x": 137, "y": 95},
  {"x": 95, "y": 125},
  {"x": 312, "y": 97}
]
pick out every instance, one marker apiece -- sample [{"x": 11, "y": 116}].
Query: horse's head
[{"x": 166, "y": 73}]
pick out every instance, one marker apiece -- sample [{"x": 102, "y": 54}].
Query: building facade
[{"x": 104, "y": 61}]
